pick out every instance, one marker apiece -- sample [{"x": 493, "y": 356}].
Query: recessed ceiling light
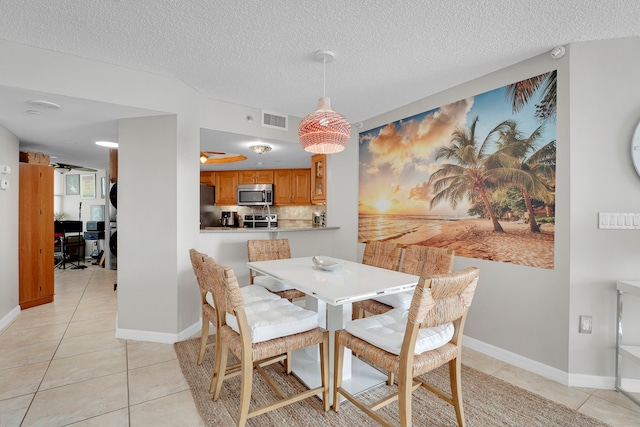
[
  {"x": 108, "y": 144},
  {"x": 44, "y": 104}
]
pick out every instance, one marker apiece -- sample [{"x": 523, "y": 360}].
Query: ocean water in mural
[
  {"x": 476, "y": 176},
  {"x": 398, "y": 228}
]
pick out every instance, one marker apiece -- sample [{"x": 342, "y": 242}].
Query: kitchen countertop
[{"x": 263, "y": 229}]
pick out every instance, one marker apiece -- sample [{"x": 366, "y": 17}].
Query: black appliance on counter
[
  {"x": 229, "y": 219},
  {"x": 260, "y": 220}
]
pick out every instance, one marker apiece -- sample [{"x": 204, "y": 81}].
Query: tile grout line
[{"x": 56, "y": 350}]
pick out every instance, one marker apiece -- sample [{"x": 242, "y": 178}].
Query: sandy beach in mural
[
  {"x": 470, "y": 238},
  {"x": 474, "y": 238}
]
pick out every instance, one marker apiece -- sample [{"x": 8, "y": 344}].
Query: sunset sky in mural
[{"x": 397, "y": 159}]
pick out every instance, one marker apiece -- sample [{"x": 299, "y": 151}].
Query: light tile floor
[{"x": 61, "y": 365}]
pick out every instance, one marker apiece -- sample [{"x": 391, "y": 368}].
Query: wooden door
[
  {"x": 208, "y": 178},
  {"x": 246, "y": 177},
  {"x": 264, "y": 176},
  {"x": 282, "y": 187},
  {"x": 301, "y": 187},
  {"x": 35, "y": 235},
  {"x": 292, "y": 187},
  {"x": 226, "y": 187}
]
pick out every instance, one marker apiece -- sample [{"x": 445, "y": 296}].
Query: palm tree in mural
[
  {"x": 465, "y": 175},
  {"x": 519, "y": 162},
  {"x": 521, "y": 92}
]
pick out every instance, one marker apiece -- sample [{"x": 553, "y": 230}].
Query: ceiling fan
[
  {"x": 216, "y": 157},
  {"x": 69, "y": 168}
]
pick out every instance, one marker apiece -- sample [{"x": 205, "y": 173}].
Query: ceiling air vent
[{"x": 274, "y": 120}]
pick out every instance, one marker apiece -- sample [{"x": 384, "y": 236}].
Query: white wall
[
  {"x": 9, "y": 156},
  {"x": 605, "y": 109}
]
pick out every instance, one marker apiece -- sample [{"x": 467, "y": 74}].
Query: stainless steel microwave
[{"x": 255, "y": 195}]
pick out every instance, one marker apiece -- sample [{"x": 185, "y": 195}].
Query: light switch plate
[
  {"x": 5, "y": 169},
  {"x": 618, "y": 221}
]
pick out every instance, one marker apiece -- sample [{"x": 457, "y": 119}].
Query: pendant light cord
[{"x": 324, "y": 77}]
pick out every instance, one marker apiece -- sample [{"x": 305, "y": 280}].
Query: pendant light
[{"x": 324, "y": 131}]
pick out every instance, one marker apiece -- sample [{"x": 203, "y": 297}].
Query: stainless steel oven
[{"x": 260, "y": 221}]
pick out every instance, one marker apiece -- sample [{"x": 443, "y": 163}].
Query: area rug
[{"x": 488, "y": 401}]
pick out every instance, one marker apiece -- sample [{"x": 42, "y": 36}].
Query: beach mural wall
[{"x": 476, "y": 176}]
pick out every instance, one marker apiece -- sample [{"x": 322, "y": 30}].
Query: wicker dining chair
[
  {"x": 431, "y": 337},
  {"x": 379, "y": 254},
  {"x": 208, "y": 309},
  {"x": 240, "y": 335},
  {"x": 267, "y": 250},
  {"x": 419, "y": 260}
]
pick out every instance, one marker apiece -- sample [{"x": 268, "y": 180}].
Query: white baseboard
[
  {"x": 592, "y": 381},
  {"x": 159, "y": 337},
  {"x": 564, "y": 378},
  {"x": 517, "y": 360},
  {"x": 630, "y": 385},
  {"x": 4, "y": 322}
]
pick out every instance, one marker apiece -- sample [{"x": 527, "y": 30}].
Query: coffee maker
[{"x": 229, "y": 219}]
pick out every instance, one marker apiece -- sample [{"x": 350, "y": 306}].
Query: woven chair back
[
  {"x": 443, "y": 298},
  {"x": 382, "y": 254},
  {"x": 226, "y": 291},
  {"x": 197, "y": 262},
  {"x": 426, "y": 260},
  {"x": 267, "y": 250}
]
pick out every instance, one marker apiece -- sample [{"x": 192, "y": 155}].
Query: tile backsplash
[{"x": 288, "y": 216}]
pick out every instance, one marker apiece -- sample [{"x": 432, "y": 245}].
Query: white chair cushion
[
  {"x": 401, "y": 300},
  {"x": 275, "y": 318},
  {"x": 250, "y": 294},
  {"x": 387, "y": 332},
  {"x": 274, "y": 285}
]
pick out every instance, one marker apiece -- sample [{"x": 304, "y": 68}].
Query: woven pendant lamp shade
[{"x": 324, "y": 131}]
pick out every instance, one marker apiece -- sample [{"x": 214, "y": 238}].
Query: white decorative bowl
[{"x": 326, "y": 264}]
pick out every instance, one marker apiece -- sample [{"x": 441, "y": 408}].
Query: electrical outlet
[{"x": 585, "y": 324}]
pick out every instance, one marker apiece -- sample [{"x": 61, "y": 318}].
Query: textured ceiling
[{"x": 260, "y": 53}]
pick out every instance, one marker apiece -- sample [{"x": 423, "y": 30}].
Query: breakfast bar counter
[{"x": 264, "y": 229}]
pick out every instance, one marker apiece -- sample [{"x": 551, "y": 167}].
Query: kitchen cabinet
[
  {"x": 318, "y": 179},
  {"x": 35, "y": 235},
  {"x": 208, "y": 178},
  {"x": 627, "y": 290},
  {"x": 255, "y": 177},
  {"x": 226, "y": 185},
  {"x": 292, "y": 187}
]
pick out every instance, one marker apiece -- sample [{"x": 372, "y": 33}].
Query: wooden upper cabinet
[
  {"x": 318, "y": 179},
  {"x": 255, "y": 177},
  {"x": 207, "y": 177},
  {"x": 292, "y": 187},
  {"x": 226, "y": 183}
]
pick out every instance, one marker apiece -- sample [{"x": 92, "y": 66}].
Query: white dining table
[{"x": 331, "y": 293}]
